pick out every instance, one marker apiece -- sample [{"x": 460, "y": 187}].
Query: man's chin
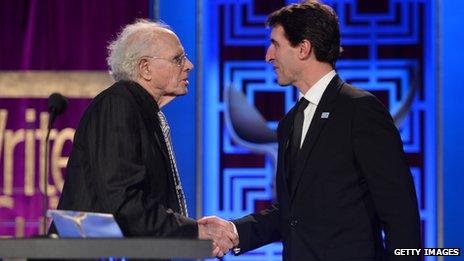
[
  {"x": 283, "y": 83},
  {"x": 182, "y": 91}
]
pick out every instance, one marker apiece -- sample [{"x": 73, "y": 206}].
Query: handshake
[{"x": 221, "y": 231}]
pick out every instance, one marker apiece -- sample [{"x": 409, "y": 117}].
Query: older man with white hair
[{"x": 122, "y": 161}]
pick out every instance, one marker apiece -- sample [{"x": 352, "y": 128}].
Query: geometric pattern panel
[{"x": 387, "y": 51}]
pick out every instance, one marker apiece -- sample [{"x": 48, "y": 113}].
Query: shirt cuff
[{"x": 236, "y": 249}]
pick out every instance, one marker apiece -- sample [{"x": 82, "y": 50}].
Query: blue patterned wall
[{"x": 388, "y": 50}]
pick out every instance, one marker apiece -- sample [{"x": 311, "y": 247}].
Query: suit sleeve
[
  {"x": 258, "y": 229},
  {"x": 379, "y": 153},
  {"x": 114, "y": 141}
]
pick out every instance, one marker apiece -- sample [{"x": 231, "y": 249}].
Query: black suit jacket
[
  {"x": 351, "y": 182},
  {"x": 119, "y": 164}
]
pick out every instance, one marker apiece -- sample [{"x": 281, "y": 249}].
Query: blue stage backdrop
[
  {"x": 452, "y": 125},
  {"x": 388, "y": 50}
]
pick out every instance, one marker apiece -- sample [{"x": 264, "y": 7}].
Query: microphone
[{"x": 57, "y": 104}]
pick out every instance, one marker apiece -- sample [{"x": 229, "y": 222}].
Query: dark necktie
[
  {"x": 296, "y": 139},
  {"x": 298, "y": 127}
]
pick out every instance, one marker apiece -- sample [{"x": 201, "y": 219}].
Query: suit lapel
[
  {"x": 317, "y": 125},
  {"x": 285, "y": 129}
]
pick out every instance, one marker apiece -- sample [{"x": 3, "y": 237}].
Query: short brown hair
[{"x": 315, "y": 22}]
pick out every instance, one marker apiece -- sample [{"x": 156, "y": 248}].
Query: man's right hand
[{"x": 220, "y": 231}]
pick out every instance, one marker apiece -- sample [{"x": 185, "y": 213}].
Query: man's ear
[
  {"x": 305, "y": 49},
  {"x": 144, "y": 69}
]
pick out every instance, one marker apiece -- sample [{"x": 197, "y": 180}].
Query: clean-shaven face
[
  {"x": 282, "y": 56},
  {"x": 171, "y": 72}
]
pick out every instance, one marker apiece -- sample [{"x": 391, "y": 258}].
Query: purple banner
[{"x": 23, "y": 127}]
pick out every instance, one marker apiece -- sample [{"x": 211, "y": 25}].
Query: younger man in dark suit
[{"x": 342, "y": 177}]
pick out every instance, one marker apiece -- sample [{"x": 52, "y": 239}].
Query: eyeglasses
[{"x": 178, "y": 60}]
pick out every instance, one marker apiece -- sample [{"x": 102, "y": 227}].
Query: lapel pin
[{"x": 325, "y": 115}]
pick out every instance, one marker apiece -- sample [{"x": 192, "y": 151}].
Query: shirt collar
[{"x": 314, "y": 94}]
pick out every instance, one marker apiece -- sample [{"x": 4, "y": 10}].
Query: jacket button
[{"x": 293, "y": 223}]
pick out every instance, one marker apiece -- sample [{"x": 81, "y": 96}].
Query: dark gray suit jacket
[
  {"x": 120, "y": 164},
  {"x": 352, "y": 182}
]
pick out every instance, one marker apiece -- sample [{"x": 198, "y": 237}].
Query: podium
[{"x": 79, "y": 248}]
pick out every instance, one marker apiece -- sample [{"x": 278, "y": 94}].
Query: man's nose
[
  {"x": 269, "y": 54},
  {"x": 188, "y": 65}
]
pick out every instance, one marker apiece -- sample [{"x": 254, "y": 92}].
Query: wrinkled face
[
  {"x": 170, "y": 66},
  {"x": 283, "y": 57}
]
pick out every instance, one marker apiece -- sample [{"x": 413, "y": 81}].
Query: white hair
[{"x": 133, "y": 42}]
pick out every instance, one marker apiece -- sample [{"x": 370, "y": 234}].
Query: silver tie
[{"x": 172, "y": 158}]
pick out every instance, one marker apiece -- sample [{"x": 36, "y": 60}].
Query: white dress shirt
[{"x": 314, "y": 95}]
